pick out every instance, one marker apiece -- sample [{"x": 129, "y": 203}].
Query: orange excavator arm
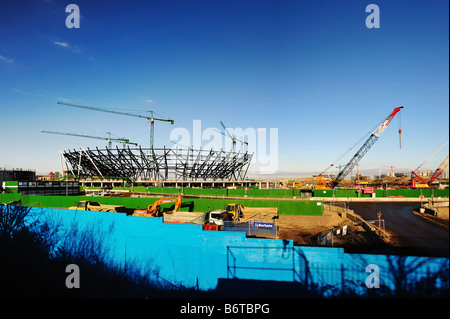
[
  {"x": 177, "y": 204},
  {"x": 152, "y": 209}
]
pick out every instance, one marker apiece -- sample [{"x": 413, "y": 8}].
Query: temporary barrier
[
  {"x": 285, "y": 207},
  {"x": 380, "y": 193},
  {"x": 185, "y": 255},
  {"x": 288, "y": 193},
  {"x": 210, "y": 227},
  {"x": 253, "y": 229}
]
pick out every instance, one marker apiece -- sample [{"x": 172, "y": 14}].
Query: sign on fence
[
  {"x": 326, "y": 238},
  {"x": 262, "y": 225},
  {"x": 257, "y": 229}
]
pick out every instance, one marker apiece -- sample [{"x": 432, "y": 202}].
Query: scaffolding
[{"x": 157, "y": 164}]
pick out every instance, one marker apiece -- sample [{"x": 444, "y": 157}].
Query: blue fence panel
[{"x": 187, "y": 255}]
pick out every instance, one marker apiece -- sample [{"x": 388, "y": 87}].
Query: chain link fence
[{"x": 253, "y": 228}]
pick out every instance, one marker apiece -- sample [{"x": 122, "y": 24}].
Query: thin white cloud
[
  {"x": 64, "y": 99},
  {"x": 43, "y": 95},
  {"x": 62, "y": 44},
  {"x": 72, "y": 47},
  {"x": 21, "y": 91},
  {"x": 149, "y": 101},
  {"x": 5, "y": 59},
  {"x": 27, "y": 93}
]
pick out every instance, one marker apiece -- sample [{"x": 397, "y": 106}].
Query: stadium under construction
[{"x": 158, "y": 166}]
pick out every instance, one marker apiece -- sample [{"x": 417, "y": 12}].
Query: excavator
[{"x": 153, "y": 209}]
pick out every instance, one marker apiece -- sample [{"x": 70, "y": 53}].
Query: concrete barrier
[{"x": 437, "y": 209}]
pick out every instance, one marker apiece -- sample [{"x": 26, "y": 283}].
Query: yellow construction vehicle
[
  {"x": 153, "y": 209},
  {"x": 321, "y": 184},
  {"x": 96, "y": 206},
  {"x": 239, "y": 212}
]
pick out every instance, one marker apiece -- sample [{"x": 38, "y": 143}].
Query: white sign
[
  {"x": 262, "y": 225},
  {"x": 344, "y": 230}
]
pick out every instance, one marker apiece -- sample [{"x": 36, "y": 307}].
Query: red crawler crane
[{"x": 437, "y": 173}]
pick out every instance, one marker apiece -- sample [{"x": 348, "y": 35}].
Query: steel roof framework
[{"x": 161, "y": 164}]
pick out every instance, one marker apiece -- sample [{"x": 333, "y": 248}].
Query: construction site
[
  {"x": 177, "y": 175},
  {"x": 233, "y": 157},
  {"x": 196, "y": 194}
]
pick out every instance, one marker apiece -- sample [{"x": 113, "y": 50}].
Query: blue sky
[{"x": 311, "y": 69}]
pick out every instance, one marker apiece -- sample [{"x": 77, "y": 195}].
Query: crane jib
[
  {"x": 149, "y": 118},
  {"x": 356, "y": 158},
  {"x": 386, "y": 122},
  {"x": 364, "y": 148}
]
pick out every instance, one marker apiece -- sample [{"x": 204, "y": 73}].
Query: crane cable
[
  {"x": 431, "y": 156},
  {"x": 400, "y": 128},
  {"x": 365, "y": 137},
  {"x": 356, "y": 144}
]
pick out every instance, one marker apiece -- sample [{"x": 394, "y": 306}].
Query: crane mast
[{"x": 365, "y": 147}]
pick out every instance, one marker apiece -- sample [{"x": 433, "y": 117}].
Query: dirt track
[
  {"x": 422, "y": 236},
  {"x": 301, "y": 229},
  {"x": 416, "y": 241}
]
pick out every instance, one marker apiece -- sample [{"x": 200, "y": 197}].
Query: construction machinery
[
  {"x": 214, "y": 217},
  {"x": 235, "y": 217},
  {"x": 109, "y": 139},
  {"x": 241, "y": 213},
  {"x": 151, "y": 118},
  {"x": 254, "y": 221},
  {"x": 153, "y": 209},
  {"x": 441, "y": 169},
  {"x": 96, "y": 206},
  {"x": 321, "y": 183},
  {"x": 417, "y": 181},
  {"x": 374, "y": 136},
  {"x": 416, "y": 176}
]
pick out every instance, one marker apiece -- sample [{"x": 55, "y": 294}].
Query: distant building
[
  {"x": 429, "y": 173},
  {"x": 16, "y": 174},
  {"x": 25, "y": 182}
]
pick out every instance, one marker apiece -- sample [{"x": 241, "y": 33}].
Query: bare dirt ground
[{"x": 302, "y": 230}]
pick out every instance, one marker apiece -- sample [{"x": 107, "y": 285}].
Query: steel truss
[{"x": 160, "y": 164}]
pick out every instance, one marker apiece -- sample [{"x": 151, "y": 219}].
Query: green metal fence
[
  {"x": 407, "y": 193},
  {"x": 254, "y": 198},
  {"x": 285, "y": 207},
  {"x": 287, "y": 193}
]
